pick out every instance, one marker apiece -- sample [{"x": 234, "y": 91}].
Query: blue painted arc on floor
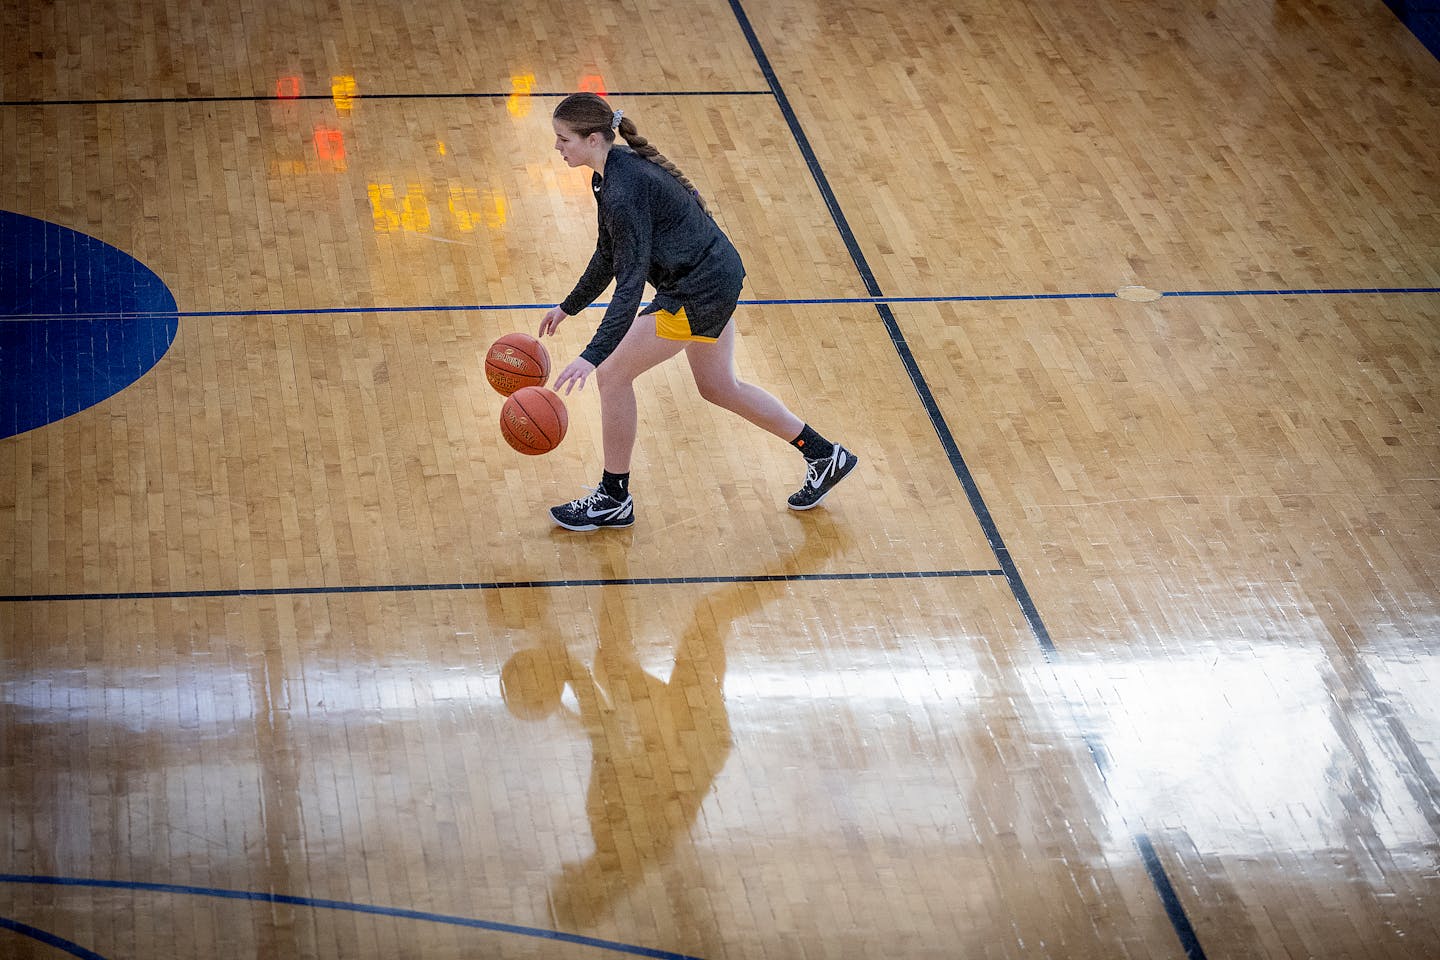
[{"x": 80, "y": 320}]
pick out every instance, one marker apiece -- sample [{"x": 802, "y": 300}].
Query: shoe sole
[
  {"x": 854, "y": 462},
  {"x": 592, "y": 526}
]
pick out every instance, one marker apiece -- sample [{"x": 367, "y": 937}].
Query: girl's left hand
[{"x": 574, "y": 375}]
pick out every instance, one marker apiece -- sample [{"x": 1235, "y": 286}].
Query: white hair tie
[{"x": 615, "y": 120}]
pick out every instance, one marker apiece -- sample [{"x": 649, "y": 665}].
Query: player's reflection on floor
[{"x": 656, "y": 745}]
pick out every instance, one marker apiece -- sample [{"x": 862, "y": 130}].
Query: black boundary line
[
  {"x": 1174, "y": 909},
  {"x": 897, "y": 340},
  {"x": 1189, "y": 942},
  {"x": 269, "y": 97},
  {"x": 494, "y": 585}
]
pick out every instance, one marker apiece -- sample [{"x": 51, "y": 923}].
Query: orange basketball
[
  {"x": 517, "y": 360},
  {"x": 533, "y": 420}
]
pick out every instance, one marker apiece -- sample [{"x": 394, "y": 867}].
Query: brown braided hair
[{"x": 588, "y": 113}]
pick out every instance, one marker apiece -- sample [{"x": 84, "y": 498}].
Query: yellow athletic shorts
[{"x": 676, "y": 326}]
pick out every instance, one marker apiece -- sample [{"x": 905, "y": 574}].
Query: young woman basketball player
[{"x": 654, "y": 226}]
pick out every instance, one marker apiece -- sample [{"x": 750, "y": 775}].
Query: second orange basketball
[
  {"x": 533, "y": 420},
  {"x": 517, "y": 360}
]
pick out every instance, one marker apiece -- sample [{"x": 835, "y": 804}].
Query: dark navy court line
[
  {"x": 397, "y": 912},
  {"x": 877, "y": 300},
  {"x": 1189, "y": 942},
  {"x": 270, "y": 97},
  {"x": 49, "y": 939},
  {"x": 897, "y": 338},
  {"x": 496, "y": 585},
  {"x": 1173, "y": 908}
]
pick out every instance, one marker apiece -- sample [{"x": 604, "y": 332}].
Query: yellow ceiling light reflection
[
  {"x": 470, "y": 208},
  {"x": 409, "y": 213},
  {"x": 343, "y": 91},
  {"x": 521, "y": 85}
]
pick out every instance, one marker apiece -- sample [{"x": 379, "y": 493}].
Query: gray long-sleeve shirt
[{"x": 652, "y": 228}]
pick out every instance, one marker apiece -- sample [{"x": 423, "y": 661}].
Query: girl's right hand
[
  {"x": 574, "y": 375},
  {"x": 551, "y": 321}
]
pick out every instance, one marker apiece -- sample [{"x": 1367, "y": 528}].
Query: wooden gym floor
[{"x": 1122, "y": 642}]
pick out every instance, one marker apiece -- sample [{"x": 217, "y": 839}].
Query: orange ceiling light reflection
[{"x": 330, "y": 147}]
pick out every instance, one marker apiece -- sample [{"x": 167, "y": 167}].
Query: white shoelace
[
  {"x": 814, "y": 469},
  {"x": 588, "y": 500}
]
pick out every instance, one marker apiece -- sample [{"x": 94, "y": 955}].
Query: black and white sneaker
[
  {"x": 821, "y": 477},
  {"x": 592, "y": 512}
]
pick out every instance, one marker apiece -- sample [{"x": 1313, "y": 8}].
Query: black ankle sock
[
  {"x": 616, "y": 485},
  {"x": 812, "y": 445}
]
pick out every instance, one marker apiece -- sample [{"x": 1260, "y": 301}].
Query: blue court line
[
  {"x": 49, "y": 939},
  {"x": 1173, "y": 908},
  {"x": 397, "y": 912},
  {"x": 1422, "y": 17},
  {"x": 877, "y": 300},
  {"x": 1302, "y": 292},
  {"x": 269, "y": 97},
  {"x": 495, "y": 585}
]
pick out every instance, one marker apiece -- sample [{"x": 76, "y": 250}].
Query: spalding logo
[
  {"x": 520, "y": 426},
  {"x": 509, "y": 358}
]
